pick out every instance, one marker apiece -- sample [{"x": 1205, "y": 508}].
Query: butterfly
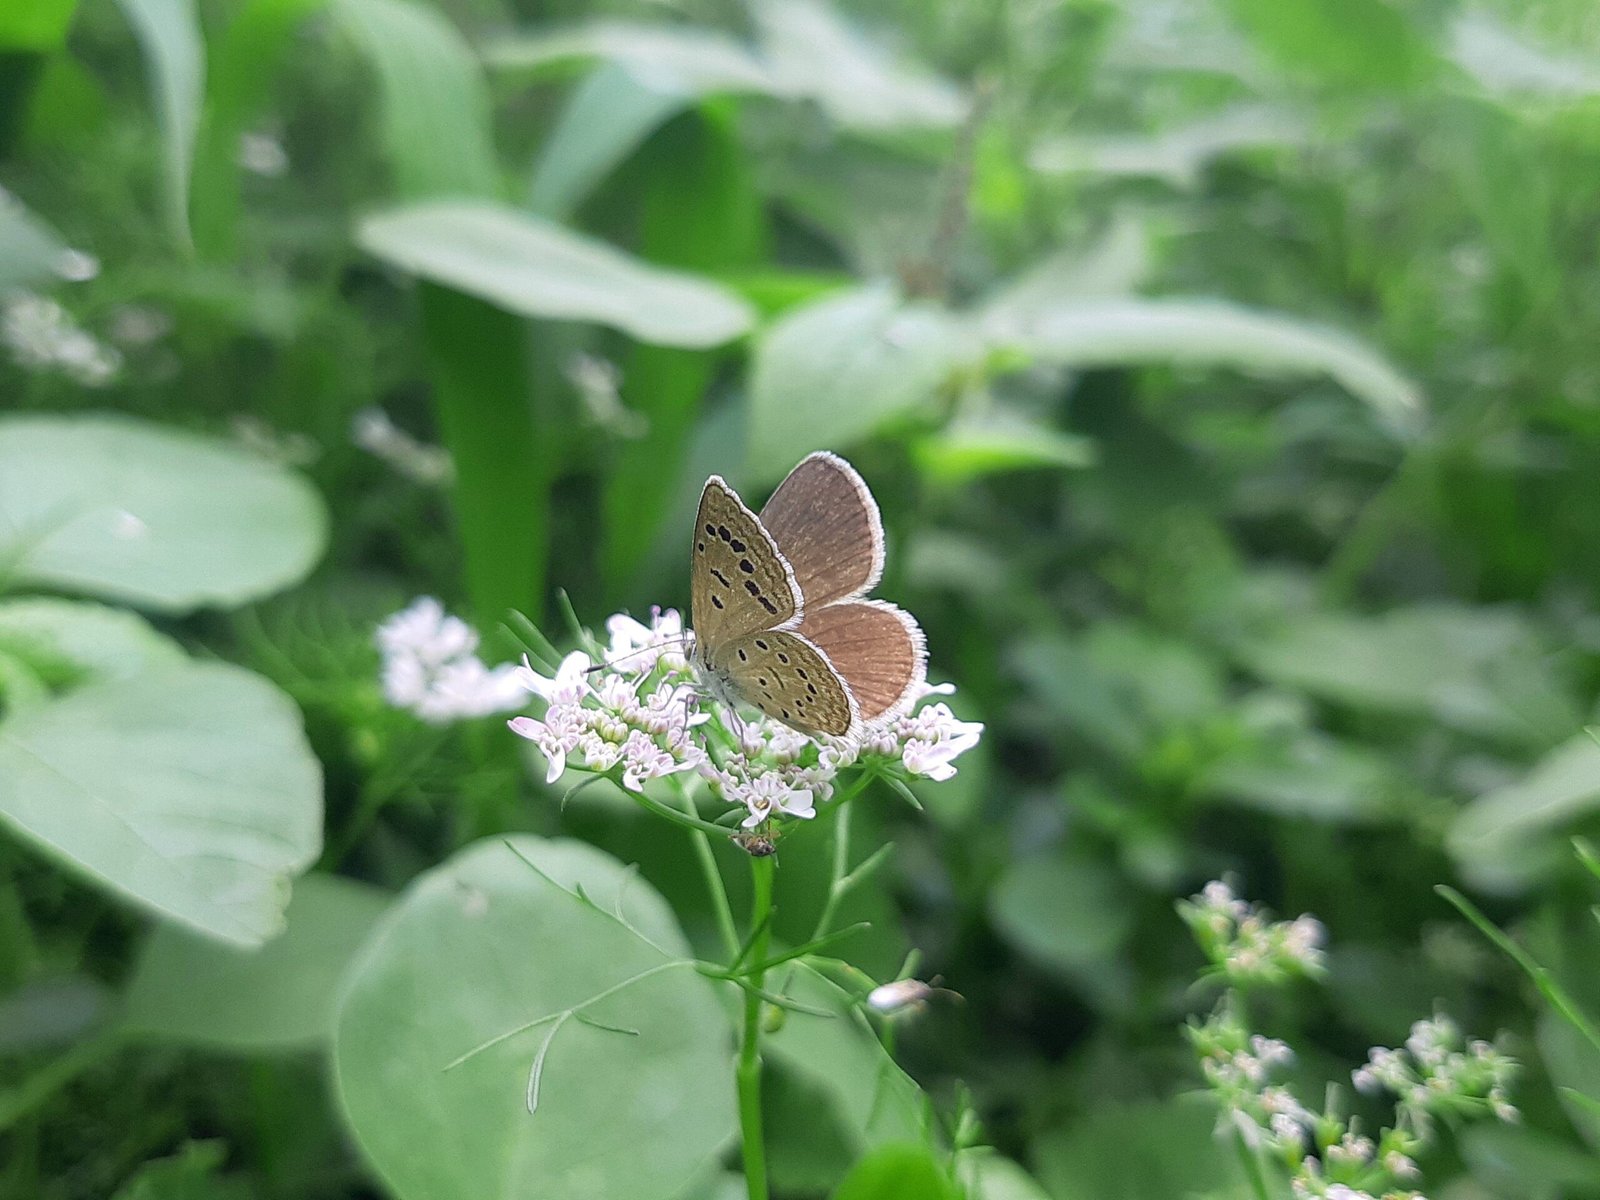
[{"x": 777, "y": 602}]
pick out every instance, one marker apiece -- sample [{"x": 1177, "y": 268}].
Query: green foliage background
[{"x": 1227, "y": 374}]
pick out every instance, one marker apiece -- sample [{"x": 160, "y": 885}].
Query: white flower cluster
[
  {"x": 1439, "y": 1073},
  {"x": 41, "y": 335},
  {"x": 1325, "y": 1155},
  {"x": 431, "y": 667},
  {"x": 372, "y": 430},
  {"x": 1245, "y": 946},
  {"x": 640, "y": 714}
]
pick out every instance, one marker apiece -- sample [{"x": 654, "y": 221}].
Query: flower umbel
[
  {"x": 640, "y": 715},
  {"x": 431, "y": 668}
]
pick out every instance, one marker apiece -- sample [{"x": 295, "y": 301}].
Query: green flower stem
[
  {"x": 708, "y": 867},
  {"x": 678, "y": 817},
  {"x": 841, "y": 863},
  {"x": 749, "y": 1069},
  {"x": 1252, "y": 1168}
]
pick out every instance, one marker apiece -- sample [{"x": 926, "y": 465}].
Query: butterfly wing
[
  {"x": 791, "y": 680},
  {"x": 877, "y": 649},
  {"x": 826, "y": 523},
  {"x": 739, "y": 582}
]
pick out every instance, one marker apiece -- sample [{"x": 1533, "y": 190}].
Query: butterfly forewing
[
  {"x": 826, "y": 523},
  {"x": 738, "y": 581},
  {"x": 876, "y": 648},
  {"x": 790, "y": 680}
]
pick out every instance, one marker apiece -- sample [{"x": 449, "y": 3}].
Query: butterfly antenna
[{"x": 611, "y": 662}]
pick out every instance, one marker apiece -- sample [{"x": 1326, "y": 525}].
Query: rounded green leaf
[
  {"x": 1070, "y": 914},
  {"x": 635, "y": 1091},
  {"x": 113, "y": 507},
  {"x": 194, "y": 991},
  {"x": 89, "y": 638},
  {"x": 532, "y": 267},
  {"x": 189, "y": 790},
  {"x": 833, "y": 371}
]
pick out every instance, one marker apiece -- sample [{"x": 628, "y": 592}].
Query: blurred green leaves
[
  {"x": 189, "y": 790},
  {"x": 195, "y": 992},
  {"x": 841, "y": 368},
  {"x": 164, "y": 520},
  {"x": 175, "y": 57},
  {"x": 532, "y": 267},
  {"x": 633, "y": 1088}
]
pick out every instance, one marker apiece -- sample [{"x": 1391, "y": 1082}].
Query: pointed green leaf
[{"x": 530, "y": 266}]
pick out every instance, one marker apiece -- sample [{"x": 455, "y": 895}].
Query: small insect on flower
[{"x": 756, "y": 845}]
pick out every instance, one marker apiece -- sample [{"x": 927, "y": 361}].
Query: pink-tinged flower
[{"x": 566, "y": 686}]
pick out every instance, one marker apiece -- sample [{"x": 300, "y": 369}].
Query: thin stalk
[
  {"x": 1252, "y": 1168},
  {"x": 21, "y": 1099},
  {"x": 708, "y": 868},
  {"x": 1542, "y": 979},
  {"x": 749, "y": 1068},
  {"x": 841, "y": 864}
]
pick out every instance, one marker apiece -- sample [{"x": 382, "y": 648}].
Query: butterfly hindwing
[
  {"x": 876, "y": 648},
  {"x": 825, "y": 521},
  {"x": 790, "y": 680},
  {"x": 739, "y": 582}
]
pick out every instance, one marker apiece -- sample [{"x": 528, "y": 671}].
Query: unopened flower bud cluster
[
  {"x": 1247, "y": 948},
  {"x": 1323, "y": 1155}
]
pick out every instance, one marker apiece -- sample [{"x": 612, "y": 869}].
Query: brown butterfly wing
[
  {"x": 739, "y": 582},
  {"x": 826, "y": 523},
  {"x": 877, "y": 649},
  {"x": 790, "y": 680}
]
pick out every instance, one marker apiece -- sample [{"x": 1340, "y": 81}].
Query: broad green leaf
[
  {"x": 1504, "y": 63},
  {"x": 187, "y": 790},
  {"x": 196, "y": 992},
  {"x": 169, "y": 521},
  {"x": 1117, "y": 332},
  {"x": 1307, "y": 775},
  {"x": 30, "y": 251},
  {"x": 606, "y": 118},
  {"x": 1177, "y": 156},
  {"x": 1113, "y": 265},
  {"x": 813, "y": 51},
  {"x": 38, "y": 25},
  {"x": 988, "y": 1176},
  {"x": 834, "y": 371},
  {"x": 194, "y": 1173},
  {"x": 175, "y": 55},
  {"x": 1148, "y": 1151},
  {"x": 1561, "y": 789},
  {"x": 666, "y": 59},
  {"x": 970, "y": 450},
  {"x": 1479, "y": 670},
  {"x": 1068, "y": 913},
  {"x": 436, "y": 114},
  {"x": 534, "y": 268},
  {"x": 869, "y": 1100},
  {"x": 480, "y": 947},
  {"x": 87, "y": 639},
  {"x": 897, "y": 1173},
  {"x": 1353, "y": 44}
]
